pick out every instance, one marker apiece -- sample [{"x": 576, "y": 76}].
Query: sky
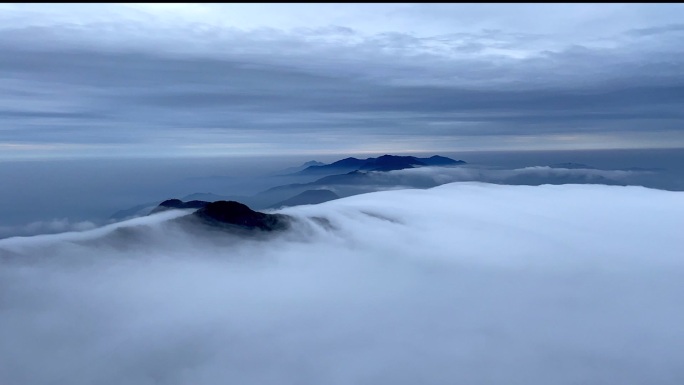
[{"x": 159, "y": 80}]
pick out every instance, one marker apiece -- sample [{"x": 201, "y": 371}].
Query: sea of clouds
[
  {"x": 74, "y": 217},
  {"x": 466, "y": 283},
  {"x": 536, "y": 175}
]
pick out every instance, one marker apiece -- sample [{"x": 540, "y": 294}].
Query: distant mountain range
[
  {"x": 308, "y": 197},
  {"x": 345, "y": 172},
  {"x": 382, "y": 163},
  {"x": 292, "y": 170},
  {"x": 352, "y": 176}
]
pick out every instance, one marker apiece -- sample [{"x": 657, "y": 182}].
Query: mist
[
  {"x": 77, "y": 190},
  {"x": 51, "y": 196},
  {"x": 463, "y": 283}
]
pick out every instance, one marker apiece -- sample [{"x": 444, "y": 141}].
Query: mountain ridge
[{"x": 382, "y": 163}]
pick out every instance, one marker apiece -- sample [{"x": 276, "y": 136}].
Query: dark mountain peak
[
  {"x": 195, "y": 204},
  {"x": 346, "y": 163},
  {"x": 313, "y": 163},
  {"x": 230, "y": 208},
  {"x": 391, "y": 162},
  {"x": 232, "y": 214},
  {"x": 351, "y": 161},
  {"x": 437, "y": 160},
  {"x": 178, "y": 204},
  {"x": 171, "y": 203},
  {"x": 352, "y": 177},
  {"x": 385, "y": 162},
  {"x": 303, "y": 166},
  {"x": 388, "y": 156}
]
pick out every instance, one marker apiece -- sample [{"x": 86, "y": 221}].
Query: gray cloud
[
  {"x": 131, "y": 81},
  {"x": 60, "y": 225},
  {"x": 672, "y": 28}
]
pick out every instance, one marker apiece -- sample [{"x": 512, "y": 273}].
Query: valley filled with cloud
[{"x": 548, "y": 284}]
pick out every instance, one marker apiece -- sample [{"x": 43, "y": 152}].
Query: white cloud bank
[
  {"x": 527, "y": 175},
  {"x": 465, "y": 283},
  {"x": 45, "y": 227}
]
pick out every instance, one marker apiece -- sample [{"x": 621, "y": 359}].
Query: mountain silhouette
[
  {"x": 238, "y": 216},
  {"x": 349, "y": 171},
  {"x": 382, "y": 163},
  {"x": 178, "y": 204},
  {"x": 307, "y": 197},
  {"x": 292, "y": 170}
]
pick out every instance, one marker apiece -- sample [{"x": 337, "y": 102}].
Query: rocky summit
[
  {"x": 178, "y": 204},
  {"x": 231, "y": 214}
]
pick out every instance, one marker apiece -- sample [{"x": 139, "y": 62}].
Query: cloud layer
[
  {"x": 466, "y": 282},
  {"x": 209, "y": 79},
  {"x": 45, "y": 227}
]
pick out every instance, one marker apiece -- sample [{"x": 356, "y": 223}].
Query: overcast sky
[{"x": 249, "y": 79}]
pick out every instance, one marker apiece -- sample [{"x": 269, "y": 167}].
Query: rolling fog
[
  {"x": 467, "y": 282},
  {"x": 39, "y": 193},
  {"x": 42, "y": 196}
]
